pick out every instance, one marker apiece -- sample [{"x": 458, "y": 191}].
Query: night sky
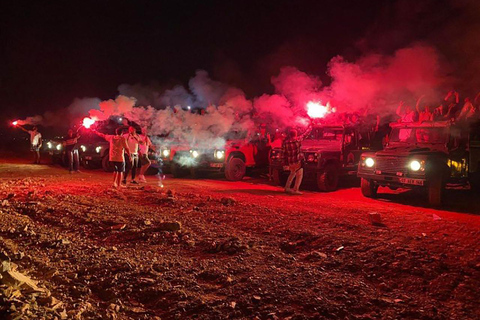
[{"x": 56, "y": 51}]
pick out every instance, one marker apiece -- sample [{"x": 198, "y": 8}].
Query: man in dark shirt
[
  {"x": 71, "y": 149},
  {"x": 291, "y": 153}
]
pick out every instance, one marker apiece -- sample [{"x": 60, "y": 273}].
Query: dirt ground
[{"x": 71, "y": 247}]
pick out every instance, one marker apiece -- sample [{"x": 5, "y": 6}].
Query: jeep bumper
[{"x": 394, "y": 181}]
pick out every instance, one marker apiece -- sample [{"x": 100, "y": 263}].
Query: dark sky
[{"x": 56, "y": 51}]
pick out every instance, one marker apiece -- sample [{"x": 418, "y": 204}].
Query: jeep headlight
[
  {"x": 83, "y": 148},
  {"x": 98, "y": 149},
  {"x": 219, "y": 154},
  {"x": 416, "y": 165},
  {"x": 49, "y": 145},
  {"x": 369, "y": 162},
  {"x": 311, "y": 157},
  {"x": 166, "y": 153},
  {"x": 194, "y": 153},
  {"x": 59, "y": 147}
]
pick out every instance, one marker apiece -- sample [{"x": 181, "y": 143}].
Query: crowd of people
[{"x": 128, "y": 150}]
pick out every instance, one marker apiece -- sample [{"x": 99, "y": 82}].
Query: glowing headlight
[
  {"x": 59, "y": 147},
  {"x": 194, "y": 153},
  {"x": 98, "y": 149},
  {"x": 415, "y": 165},
  {"x": 219, "y": 154},
  {"x": 166, "y": 152},
  {"x": 83, "y": 148},
  {"x": 49, "y": 145},
  {"x": 369, "y": 162}
]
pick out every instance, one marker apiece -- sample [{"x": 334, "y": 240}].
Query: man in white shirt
[
  {"x": 35, "y": 142},
  {"x": 118, "y": 146},
  {"x": 132, "y": 139},
  {"x": 144, "y": 144}
]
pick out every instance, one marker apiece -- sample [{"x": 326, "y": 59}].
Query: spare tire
[{"x": 235, "y": 169}]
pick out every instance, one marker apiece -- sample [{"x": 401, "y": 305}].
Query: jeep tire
[
  {"x": 235, "y": 169},
  {"x": 369, "y": 188},
  {"x": 177, "y": 170},
  {"x": 435, "y": 191},
  {"x": 106, "y": 165},
  {"x": 328, "y": 179}
]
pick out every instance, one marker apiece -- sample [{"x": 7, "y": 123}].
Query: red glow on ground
[
  {"x": 87, "y": 122},
  {"x": 316, "y": 110}
]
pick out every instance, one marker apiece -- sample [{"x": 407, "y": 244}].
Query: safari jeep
[
  {"x": 428, "y": 155},
  {"x": 237, "y": 154},
  {"x": 329, "y": 152}
]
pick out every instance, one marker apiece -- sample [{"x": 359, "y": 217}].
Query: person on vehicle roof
[
  {"x": 118, "y": 146},
  {"x": 71, "y": 148},
  {"x": 406, "y": 113},
  {"x": 35, "y": 142},
  {"x": 424, "y": 114}
]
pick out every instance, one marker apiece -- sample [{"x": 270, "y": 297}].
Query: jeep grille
[{"x": 391, "y": 164}]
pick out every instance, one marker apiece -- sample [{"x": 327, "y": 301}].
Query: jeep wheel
[
  {"x": 177, "y": 170},
  {"x": 475, "y": 181},
  {"x": 235, "y": 169},
  {"x": 328, "y": 180},
  {"x": 435, "y": 191},
  {"x": 106, "y": 165},
  {"x": 369, "y": 188},
  {"x": 279, "y": 177}
]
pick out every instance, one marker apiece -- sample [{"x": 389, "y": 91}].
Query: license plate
[
  {"x": 416, "y": 182},
  {"x": 216, "y": 165},
  {"x": 286, "y": 168},
  {"x": 50, "y": 153},
  {"x": 88, "y": 158}
]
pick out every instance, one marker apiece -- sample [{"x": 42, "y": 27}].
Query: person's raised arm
[
  {"x": 399, "y": 109},
  {"x": 419, "y": 101},
  {"x": 23, "y": 128},
  {"x": 99, "y": 134}
]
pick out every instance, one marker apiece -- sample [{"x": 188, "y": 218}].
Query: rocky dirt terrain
[{"x": 71, "y": 247}]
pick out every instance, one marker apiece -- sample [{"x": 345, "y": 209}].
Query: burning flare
[
  {"x": 87, "y": 122},
  {"x": 317, "y": 110},
  {"x": 14, "y": 123}
]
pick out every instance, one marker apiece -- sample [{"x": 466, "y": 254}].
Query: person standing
[
  {"x": 118, "y": 147},
  {"x": 35, "y": 142},
  {"x": 144, "y": 143},
  {"x": 71, "y": 148},
  {"x": 132, "y": 162},
  {"x": 291, "y": 153}
]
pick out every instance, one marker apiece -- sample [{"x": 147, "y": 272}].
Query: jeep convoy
[
  {"x": 429, "y": 156},
  {"x": 233, "y": 158},
  {"x": 329, "y": 152}
]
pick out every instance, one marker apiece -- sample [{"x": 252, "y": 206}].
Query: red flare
[
  {"x": 87, "y": 122},
  {"x": 316, "y": 110},
  {"x": 14, "y": 123}
]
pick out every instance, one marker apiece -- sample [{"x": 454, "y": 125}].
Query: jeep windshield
[
  {"x": 418, "y": 135},
  {"x": 324, "y": 137}
]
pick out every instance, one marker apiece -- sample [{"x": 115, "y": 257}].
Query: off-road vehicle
[
  {"x": 238, "y": 154},
  {"x": 330, "y": 151},
  {"x": 429, "y": 155}
]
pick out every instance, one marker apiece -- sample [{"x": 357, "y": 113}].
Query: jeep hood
[
  {"x": 411, "y": 150},
  {"x": 320, "y": 145}
]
